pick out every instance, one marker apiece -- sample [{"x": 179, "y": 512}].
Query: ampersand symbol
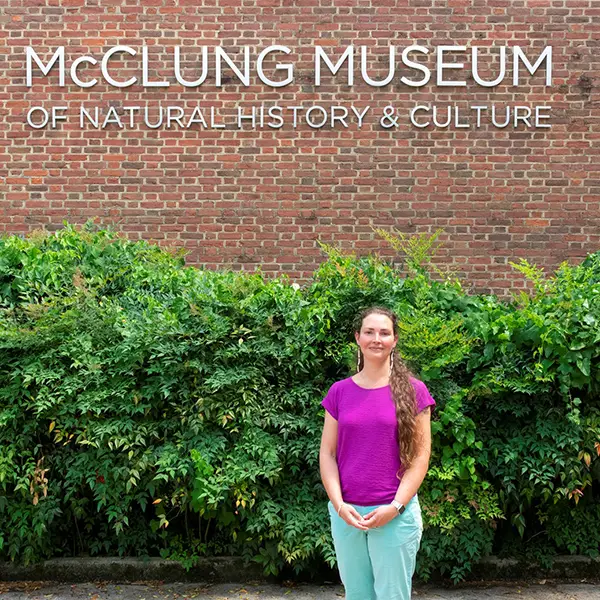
[{"x": 389, "y": 120}]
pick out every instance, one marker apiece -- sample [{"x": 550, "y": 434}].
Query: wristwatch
[{"x": 399, "y": 507}]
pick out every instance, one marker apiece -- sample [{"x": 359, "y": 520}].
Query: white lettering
[
  {"x": 104, "y": 66},
  {"x": 347, "y": 56},
  {"x": 414, "y": 65},
  {"x": 222, "y": 55},
  {"x": 412, "y": 116},
  {"x": 475, "y": 70},
  {"x": 145, "y": 81},
  {"x": 288, "y": 68},
  {"x": 360, "y": 115},
  {"x": 519, "y": 57},
  {"x": 59, "y": 56},
  {"x": 203, "y": 75},
  {"x": 75, "y": 77},
  {"x": 441, "y": 65},
  {"x": 45, "y": 117},
  {"x": 363, "y": 68},
  {"x": 539, "y": 116}
]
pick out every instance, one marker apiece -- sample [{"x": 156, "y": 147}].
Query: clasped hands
[{"x": 376, "y": 518}]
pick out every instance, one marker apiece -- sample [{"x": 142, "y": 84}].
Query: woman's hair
[{"x": 403, "y": 392}]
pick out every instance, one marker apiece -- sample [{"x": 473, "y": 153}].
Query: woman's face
[{"x": 376, "y": 337}]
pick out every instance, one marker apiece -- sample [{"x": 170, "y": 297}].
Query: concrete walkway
[{"x": 545, "y": 590}]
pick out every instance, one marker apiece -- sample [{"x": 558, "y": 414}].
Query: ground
[{"x": 540, "y": 590}]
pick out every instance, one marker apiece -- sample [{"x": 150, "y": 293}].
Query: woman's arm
[
  {"x": 330, "y": 474},
  {"x": 413, "y": 476}
]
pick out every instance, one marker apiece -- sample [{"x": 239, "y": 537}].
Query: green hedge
[{"x": 148, "y": 408}]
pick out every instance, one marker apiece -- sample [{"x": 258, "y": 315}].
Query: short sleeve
[
  {"x": 330, "y": 402},
  {"x": 424, "y": 398}
]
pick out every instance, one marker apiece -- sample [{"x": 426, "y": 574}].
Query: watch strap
[{"x": 399, "y": 507}]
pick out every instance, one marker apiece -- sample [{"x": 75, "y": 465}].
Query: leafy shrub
[{"x": 148, "y": 408}]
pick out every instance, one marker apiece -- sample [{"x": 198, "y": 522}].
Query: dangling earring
[
  {"x": 358, "y": 360},
  {"x": 392, "y": 360}
]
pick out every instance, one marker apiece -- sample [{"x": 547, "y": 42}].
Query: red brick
[{"x": 242, "y": 197}]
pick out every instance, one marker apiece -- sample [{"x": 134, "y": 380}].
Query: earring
[
  {"x": 392, "y": 360},
  {"x": 358, "y": 360}
]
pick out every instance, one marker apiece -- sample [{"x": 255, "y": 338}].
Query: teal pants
[{"x": 378, "y": 564}]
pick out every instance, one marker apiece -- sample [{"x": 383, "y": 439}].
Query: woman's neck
[{"x": 374, "y": 375}]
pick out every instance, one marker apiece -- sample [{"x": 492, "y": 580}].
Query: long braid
[{"x": 403, "y": 392}]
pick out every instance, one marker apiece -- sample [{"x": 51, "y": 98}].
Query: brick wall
[{"x": 239, "y": 198}]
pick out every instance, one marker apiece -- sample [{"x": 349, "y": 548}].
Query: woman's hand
[
  {"x": 380, "y": 516},
  {"x": 352, "y": 517}
]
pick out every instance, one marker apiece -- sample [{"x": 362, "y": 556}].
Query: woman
[{"x": 374, "y": 455}]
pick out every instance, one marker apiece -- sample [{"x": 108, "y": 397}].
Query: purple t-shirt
[{"x": 367, "y": 445}]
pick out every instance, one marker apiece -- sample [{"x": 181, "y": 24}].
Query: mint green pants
[{"x": 378, "y": 564}]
